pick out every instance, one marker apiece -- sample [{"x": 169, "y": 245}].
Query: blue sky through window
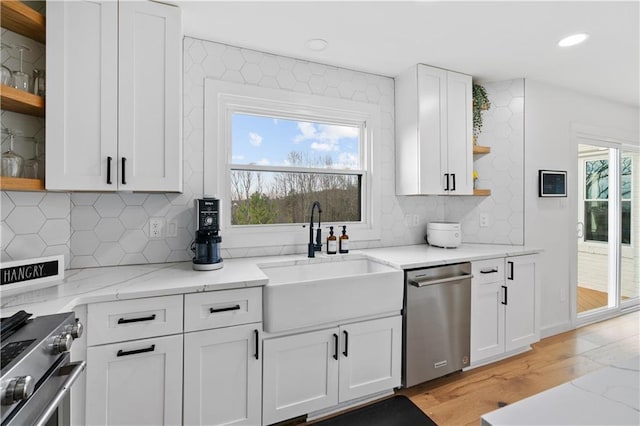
[{"x": 268, "y": 141}]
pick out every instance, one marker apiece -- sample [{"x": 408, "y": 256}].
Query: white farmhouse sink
[{"x": 325, "y": 290}]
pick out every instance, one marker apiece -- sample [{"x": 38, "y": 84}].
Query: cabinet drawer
[
  {"x": 222, "y": 308},
  {"x": 488, "y": 271},
  {"x": 133, "y": 319}
]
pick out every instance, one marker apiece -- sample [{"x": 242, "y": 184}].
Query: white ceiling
[{"x": 490, "y": 40}]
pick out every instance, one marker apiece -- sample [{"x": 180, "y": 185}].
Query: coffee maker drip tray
[{"x": 206, "y": 266}]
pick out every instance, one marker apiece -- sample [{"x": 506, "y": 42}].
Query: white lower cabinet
[
  {"x": 222, "y": 375},
  {"x": 504, "y": 307},
  {"x": 311, "y": 371},
  {"x": 135, "y": 382}
]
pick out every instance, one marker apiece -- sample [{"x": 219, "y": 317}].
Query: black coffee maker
[{"x": 206, "y": 245}]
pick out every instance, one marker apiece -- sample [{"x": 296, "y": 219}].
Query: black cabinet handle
[
  {"x": 124, "y": 161},
  {"x": 230, "y": 308},
  {"x": 136, "y": 351},
  {"x": 335, "y": 341},
  {"x": 109, "y": 170},
  {"x": 489, "y": 271},
  {"x": 510, "y": 277},
  {"x": 129, "y": 320},
  {"x": 256, "y": 333},
  {"x": 346, "y": 343},
  {"x": 446, "y": 177},
  {"x": 504, "y": 300},
  {"x": 453, "y": 177}
]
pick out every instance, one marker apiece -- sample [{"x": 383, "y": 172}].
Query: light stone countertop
[
  {"x": 609, "y": 396},
  {"x": 91, "y": 285}
]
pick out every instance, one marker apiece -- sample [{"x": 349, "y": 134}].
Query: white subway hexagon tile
[
  {"x": 25, "y": 247},
  {"x": 213, "y": 67},
  {"x": 516, "y": 87},
  {"x": 301, "y": 87},
  {"x": 179, "y": 256},
  {"x": 359, "y": 82},
  {"x": 156, "y": 251},
  {"x": 7, "y": 205},
  {"x": 20, "y": 198},
  {"x": 346, "y": 89},
  {"x": 182, "y": 215},
  {"x": 251, "y": 73},
  {"x": 133, "y": 259},
  {"x": 332, "y": 92},
  {"x": 108, "y": 254},
  {"x": 302, "y": 72},
  {"x": 26, "y": 220},
  {"x": 196, "y": 75},
  {"x": 84, "y": 218},
  {"x": 373, "y": 94},
  {"x": 55, "y": 232},
  {"x": 83, "y": 261},
  {"x": 196, "y": 51},
  {"x": 232, "y": 58},
  {"x": 133, "y": 241},
  {"x": 331, "y": 77},
  {"x": 133, "y": 217},
  {"x": 233, "y": 76},
  {"x": 83, "y": 198},
  {"x": 7, "y": 234},
  {"x": 269, "y": 81},
  {"x": 317, "y": 68},
  {"x": 182, "y": 241},
  {"x": 83, "y": 243},
  {"x": 269, "y": 65},
  {"x": 133, "y": 198},
  {"x": 214, "y": 50},
  {"x": 286, "y": 80},
  {"x": 61, "y": 249},
  {"x": 285, "y": 63},
  {"x": 252, "y": 56},
  {"x": 359, "y": 96},
  {"x": 109, "y": 205},
  {"x": 318, "y": 84},
  {"x": 157, "y": 205},
  {"x": 109, "y": 229},
  {"x": 56, "y": 205}
]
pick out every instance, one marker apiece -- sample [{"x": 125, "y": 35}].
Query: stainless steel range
[{"x": 36, "y": 373}]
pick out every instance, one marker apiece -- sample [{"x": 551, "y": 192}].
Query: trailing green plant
[{"x": 481, "y": 103}]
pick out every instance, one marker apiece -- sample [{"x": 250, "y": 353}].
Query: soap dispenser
[
  {"x": 343, "y": 244},
  {"x": 332, "y": 242}
]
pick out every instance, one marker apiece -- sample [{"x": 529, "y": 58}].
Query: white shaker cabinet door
[
  {"x": 522, "y": 324},
  {"x": 135, "y": 383},
  {"x": 459, "y": 134},
  {"x": 300, "y": 374},
  {"x": 487, "y": 319},
  {"x": 370, "y": 357},
  {"x": 222, "y": 375},
  {"x": 82, "y": 95},
  {"x": 150, "y": 53}
]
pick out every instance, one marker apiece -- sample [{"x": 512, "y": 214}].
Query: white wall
[{"x": 550, "y": 113}]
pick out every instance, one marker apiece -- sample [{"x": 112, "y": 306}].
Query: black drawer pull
[
  {"x": 229, "y": 308},
  {"x": 335, "y": 341},
  {"x": 510, "y": 277},
  {"x": 136, "y": 351},
  {"x": 129, "y": 320},
  {"x": 108, "y": 170},
  {"x": 257, "y": 335},
  {"x": 489, "y": 271},
  {"x": 505, "y": 300},
  {"x": 124, "y": 162},
  {"x": 446, "y": 176},
  {"x": 346, "y": 343}
]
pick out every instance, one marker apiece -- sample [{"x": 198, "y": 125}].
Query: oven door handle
[
  {"x": 422, "y": 283},
  {"x": 76, "y": 368}
]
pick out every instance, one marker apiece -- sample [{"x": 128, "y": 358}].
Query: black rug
[{"x": 396, "y": 411}]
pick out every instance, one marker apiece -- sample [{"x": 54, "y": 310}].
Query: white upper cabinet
[
  {"x": 434, "y": 142},
  {"x": 114, "y": 96}
]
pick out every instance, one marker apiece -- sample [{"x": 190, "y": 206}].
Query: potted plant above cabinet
[{"x": 481, "y": 103}]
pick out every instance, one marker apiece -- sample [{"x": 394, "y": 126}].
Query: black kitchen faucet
[{"x": 317, "y": 246}]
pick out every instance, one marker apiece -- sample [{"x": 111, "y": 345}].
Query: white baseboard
[
  {"x": 348, "y": 404},
  {"x": 556, "y": 329}
]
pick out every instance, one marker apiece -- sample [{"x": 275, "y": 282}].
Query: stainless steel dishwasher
[{"x": 436, "y": 322}]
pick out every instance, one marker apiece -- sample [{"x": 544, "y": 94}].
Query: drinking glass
[
  {"x": 6, "y": 76},
  {"x": 21, "y": 80},
  {"x": 33, "y": 168},
  {"x": 11, "y": 160}
]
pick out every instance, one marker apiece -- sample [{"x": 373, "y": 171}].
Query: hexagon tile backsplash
[{"x": 104, "y": 229}]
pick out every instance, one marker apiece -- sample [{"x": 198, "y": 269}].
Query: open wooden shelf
[
  {"x": 482, "y": 192},
  {"x": 15, "y": 100},
  {"x": 477, "y": 149},
  {"x": 20, "y": 184},
  {"x": 20, "y": 18}
]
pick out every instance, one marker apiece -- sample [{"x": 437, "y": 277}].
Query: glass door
[{"x": 630, "y": 254}]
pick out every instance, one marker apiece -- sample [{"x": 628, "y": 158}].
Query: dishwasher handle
[{"x": 429, "y": 281}]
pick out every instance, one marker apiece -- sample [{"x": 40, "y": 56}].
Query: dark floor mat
[{"x": 396, "y": 411}]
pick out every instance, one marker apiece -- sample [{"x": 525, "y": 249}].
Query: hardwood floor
[
  {"x": 589, "y": 299},
  {"x": 462, "y": 398}
]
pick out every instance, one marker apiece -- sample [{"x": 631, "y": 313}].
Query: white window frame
[{"x": 223, "y": 99}]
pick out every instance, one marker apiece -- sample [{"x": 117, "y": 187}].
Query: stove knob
[
  {"x": 60, "y": 344},
  {"x": 17, "y": 389},
  {"x": 75, "y": 330}
]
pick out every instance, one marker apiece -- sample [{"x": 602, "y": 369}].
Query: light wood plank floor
[
  {"x": 462, "y": 398},
  {"x": 589, "y": 299}
]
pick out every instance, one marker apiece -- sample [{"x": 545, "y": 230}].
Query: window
[
  {"x": 270, "y": 153},
  {"x": 596, "y": 200},
  {"x": 280, "y": 166}
]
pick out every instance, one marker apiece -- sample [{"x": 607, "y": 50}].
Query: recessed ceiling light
[
  {"x": 316, "y": 44},
  {"x": 573, "y": 39}
]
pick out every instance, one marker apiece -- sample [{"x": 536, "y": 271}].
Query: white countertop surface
[
  {"x": 92, "y": 285},
  {"x": 609, "y": 396}
]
